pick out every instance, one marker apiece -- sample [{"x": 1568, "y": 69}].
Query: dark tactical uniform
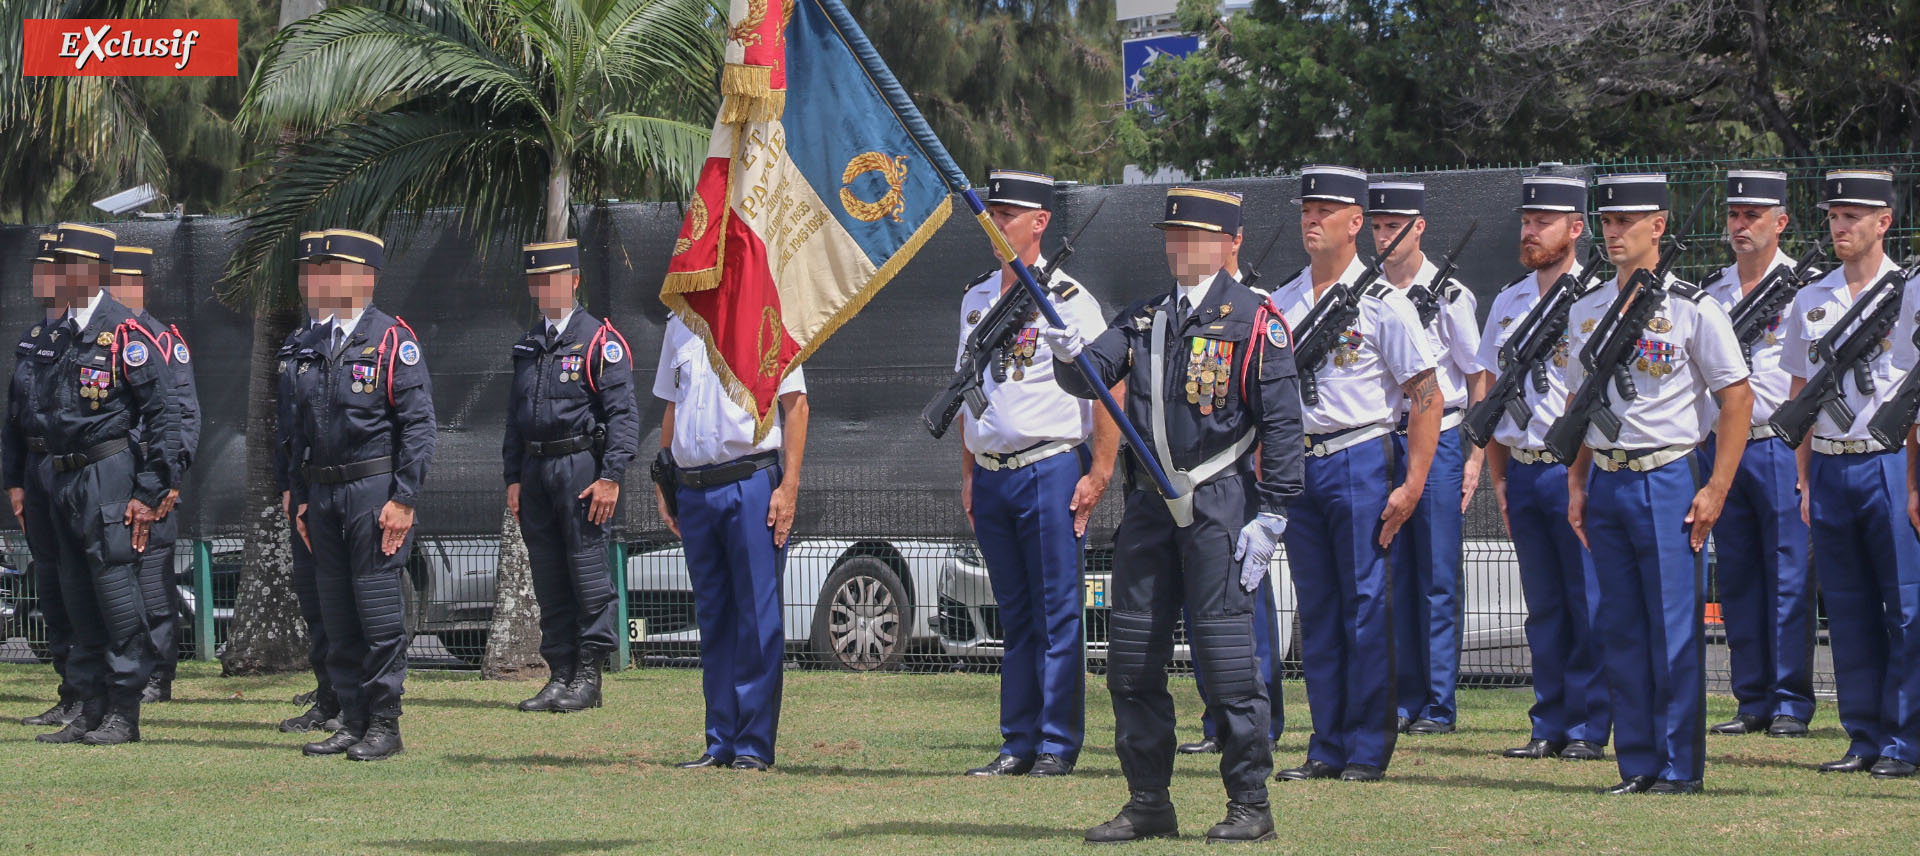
[
  {"x": 364, "y": 428},
  {"x": 106, "y": 379},
  {"x": 571, "y": 420},
  {"x": 1160, "y": 567},
  {"x": 326, "y": 704},
  {"x": 27, "y": 467},
  {"x": 165, "y": 605}
]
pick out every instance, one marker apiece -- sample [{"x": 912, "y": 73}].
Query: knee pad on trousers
[
  {"x": 1132, "y": 658},
  {"x": 1228, "y": 661},
  {"x": 593, "y": 587},
  {"x": 383, "y": 610}
]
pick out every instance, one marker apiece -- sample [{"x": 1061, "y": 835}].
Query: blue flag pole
[{"x": 956, "y": 181}]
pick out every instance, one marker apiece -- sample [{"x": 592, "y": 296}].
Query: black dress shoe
[
  {"x": 1630, "y": 785},
  {"x": 1583, "y": 750},
  {"x": 1249, "y": 822},
  {"x": 542, "y": 701},
  {"x": 1203, "y": 746},
  {"x": 341, "y": 740},
  {"x": 314, "y": 719},
  {"x": 61, "y": 713},
  {"x": 749, "y": 762},
  {"x": 1741, "y": 723},
  {"x": 1312, "y": 769},
  {"x": 1362, "y": 773},
  {"x": 1669, "y": 787},
  {"x": 1849, "y": 764},
  {"x": 1430, "y": 726},
  {"x": 1005, "y": 765},
  {"x": 705, "y": 760},
  {"x": 1403, "y": 724},
  {"x": 1536, "y": 748},
  {"x": 1149, "y": 814},
  {"x": 381, "y": 742},
  {"x": 1892, "y": 768},
  {"x": 1787, "y": 726},
  {"x": 120, "y": 726},
  {"x": 1049, "y": 765}
]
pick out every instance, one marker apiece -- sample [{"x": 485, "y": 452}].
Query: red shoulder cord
[
  {"x": 395, "y": 333},
  {"x": 593, "y": 350},
  {"x": 1259, "y": 339}
]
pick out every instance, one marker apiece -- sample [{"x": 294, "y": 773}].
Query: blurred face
[
  {"x": 129, "y": 290},
  {"x": 338, "y": 287},
  {"x": 1755, "y": 228},
  {"x": 553, "y": 292},
  {"x": 1547, "y": 237},
  {"x": 74, "y": 283},
  {"x": 1386, "y": 227},
  {"x": 1194, "y": 255},
  {"x": 1233, "y": 251},
  {"x": 46, "y": 283},
  {"x": 1023, "y": 226},
  {"x": 1633, "y": 237},
  {"x": 1328, "y": 227},
  {"x": 1857, "y": 229}
]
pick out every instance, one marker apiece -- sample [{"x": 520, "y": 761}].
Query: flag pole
[{"x": 1005, "y": 251}]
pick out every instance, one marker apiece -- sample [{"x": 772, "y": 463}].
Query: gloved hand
[
  {"x": 1258, "y": 539},
  {"x": 1065, "y": 341}
]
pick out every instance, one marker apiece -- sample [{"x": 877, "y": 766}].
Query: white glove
[
  {"x": 1258, "y": 539},
  {"x": 1065, "y": 341}
]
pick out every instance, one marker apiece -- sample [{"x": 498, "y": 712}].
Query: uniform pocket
[{"x": 112, "y": 541}]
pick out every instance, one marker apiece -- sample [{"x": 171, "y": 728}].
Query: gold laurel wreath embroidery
[
  {"x": 894, "y": 203},
  {"x": 697, "y": 218},
  {"x": 769, "y": 341},
  {"x": 743, "y": 32}
]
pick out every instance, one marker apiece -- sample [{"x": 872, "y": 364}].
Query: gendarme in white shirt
[
  {"x": 1383, "y": 349},
  {"x": 1770, "y": 381},
  {"x": 1816, "y": 309},
  {"x": 708, "y": 427},
  {"x": 1685, "y": 351},
  {"x": 1454, "y": 335},
  {"x": 1030, "y": 409},
  {"x": 1510, "y": 307}
]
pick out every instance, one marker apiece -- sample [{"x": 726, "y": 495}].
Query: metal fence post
[
  {"x": 203, "y": 600},
  {"x": 623, "y": 652}
]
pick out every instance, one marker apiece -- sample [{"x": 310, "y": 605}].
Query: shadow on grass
[
  {"x": 505, "y": 848},
  {"x": 211, "y": 724},
  {"x": 951, "y": 830},
  {"x": 291, "y": 748}
]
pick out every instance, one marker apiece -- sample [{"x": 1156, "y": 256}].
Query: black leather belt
[
  {"x": 729, "y": 472},
  {"x": 93, "y": 455},
  {"x": 555, "y": 448},
  {"x": 37, "y": 444},
  {"x": 349, "y": 472}
]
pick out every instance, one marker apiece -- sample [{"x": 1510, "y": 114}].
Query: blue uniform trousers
[
  {"x": 1761, "y": 576},
  {"x": 1426, "y": 587},
  {"x": 737, "y": 573},
  {"x": 1557, "y": 578}
]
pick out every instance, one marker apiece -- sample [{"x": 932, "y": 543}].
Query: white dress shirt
[
  {"x": 1686, "y": 351},
  {"x": 1384, "y": 349},
  {"x": 1029, "y": 409},
  {"x": 708, "y": 427}
]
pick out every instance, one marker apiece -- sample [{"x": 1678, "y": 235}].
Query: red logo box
[{"x": 128, "y": 47}]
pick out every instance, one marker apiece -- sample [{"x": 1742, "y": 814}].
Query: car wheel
[{"x": 860, "y": 619}]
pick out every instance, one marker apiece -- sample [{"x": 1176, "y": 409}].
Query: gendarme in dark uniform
[
  {"x": 1210, "y": 375},
  {"x": 364, "y": 428},
  {"x": 108, "y": 377},
  {"x": 324, "y": 713},
  {"x": 572, "y": 428},
  {"x": 132, "y": 266}
]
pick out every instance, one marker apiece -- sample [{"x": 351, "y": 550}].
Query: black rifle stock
[
  {"x": 1847, "y": 348},
  {"x": 1526, "y": 353}
]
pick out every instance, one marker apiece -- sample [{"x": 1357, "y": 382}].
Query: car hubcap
[{"x": 864, "y": 623}]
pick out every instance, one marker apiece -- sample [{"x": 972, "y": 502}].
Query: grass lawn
[{"x": 868, "y": 765}]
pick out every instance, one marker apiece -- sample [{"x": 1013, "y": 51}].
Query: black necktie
[
  {"x": 1186, "y": 309},
  {"x": 334, "y": 341}
]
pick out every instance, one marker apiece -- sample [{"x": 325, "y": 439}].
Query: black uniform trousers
[
  {"x": 307, "y": 592},
  {"x": 568, "y": 553},
  {"x": 1157, "y": 568},
  {"x": 360, "y": 597},
  {"x": 162, "y": 596},
  {"x": 112, "y": 653},
  {"x": 43, "y": 565}
]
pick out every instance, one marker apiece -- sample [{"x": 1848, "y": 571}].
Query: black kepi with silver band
[
  {"x": 1631, "y": 192},
  {"x": 1396, "y": 197},
  {"x": 1756, "y": 187},
  {"x": 1018, "y": 188},
  {"x": 1872, "y": 188},
  {"x": 1562, "y": 193}
]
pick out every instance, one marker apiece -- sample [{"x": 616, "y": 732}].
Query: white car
[
  {"x": 855, "y": 604},
  {"x": 970, "y": 625}
]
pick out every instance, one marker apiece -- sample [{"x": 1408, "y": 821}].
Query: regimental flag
[{"x": 802, "y": 214}]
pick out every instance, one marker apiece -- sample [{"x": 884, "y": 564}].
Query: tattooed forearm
[{"x": 1424, "y": 391}]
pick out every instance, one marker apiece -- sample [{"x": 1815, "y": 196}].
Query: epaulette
[
  {"x": 1296, "y": 274},
  {"x": 981, "y": 278},
  {"x": 1686, "y": 291},
  {"x": 1714, "y": 280},
  {"x": 1065, "y": 290},
  {"x": 1453, "y": 290},
  {"x": 1379, "y": 289}
]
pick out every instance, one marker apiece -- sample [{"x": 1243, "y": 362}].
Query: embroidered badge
[
  {"x": 136, "y": 353},
  {"x": 410, "y": 353}
]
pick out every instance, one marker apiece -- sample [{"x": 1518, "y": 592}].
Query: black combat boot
[
  {"x": 342, "y": 740},
  {"x": 315, "y": 719},
  {"x": 1245, "y": 822},
  {"x": 583, "y": 691},
  {"x": 120, "y": 725},
  {"x": 159, "y": 688},
  {"x": 61, "y": 713},
  {"x": 86, "y": 719},
  {"x": 555, "y": 690},
  {"x": 382, "y": 741},
  {"x": 1149, "y": 814}
]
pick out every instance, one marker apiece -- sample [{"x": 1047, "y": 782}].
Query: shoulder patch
[
  {"x": 612, "y": 352},
  {"x": 1276, "y": 333},
  {"x": 181, "y": 354},
  {"x": 136, "y": 353},
  {"x": 410, "y": 352}
]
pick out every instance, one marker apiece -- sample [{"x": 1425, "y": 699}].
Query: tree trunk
[
  {"x": 513, "y": 639},
  {"x": 267, "y": 634}
]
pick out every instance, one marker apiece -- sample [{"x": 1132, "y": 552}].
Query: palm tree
[{"x": 507, "y": 111}]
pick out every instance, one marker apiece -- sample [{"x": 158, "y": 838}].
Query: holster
[{"x": 667, "y": 476}]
